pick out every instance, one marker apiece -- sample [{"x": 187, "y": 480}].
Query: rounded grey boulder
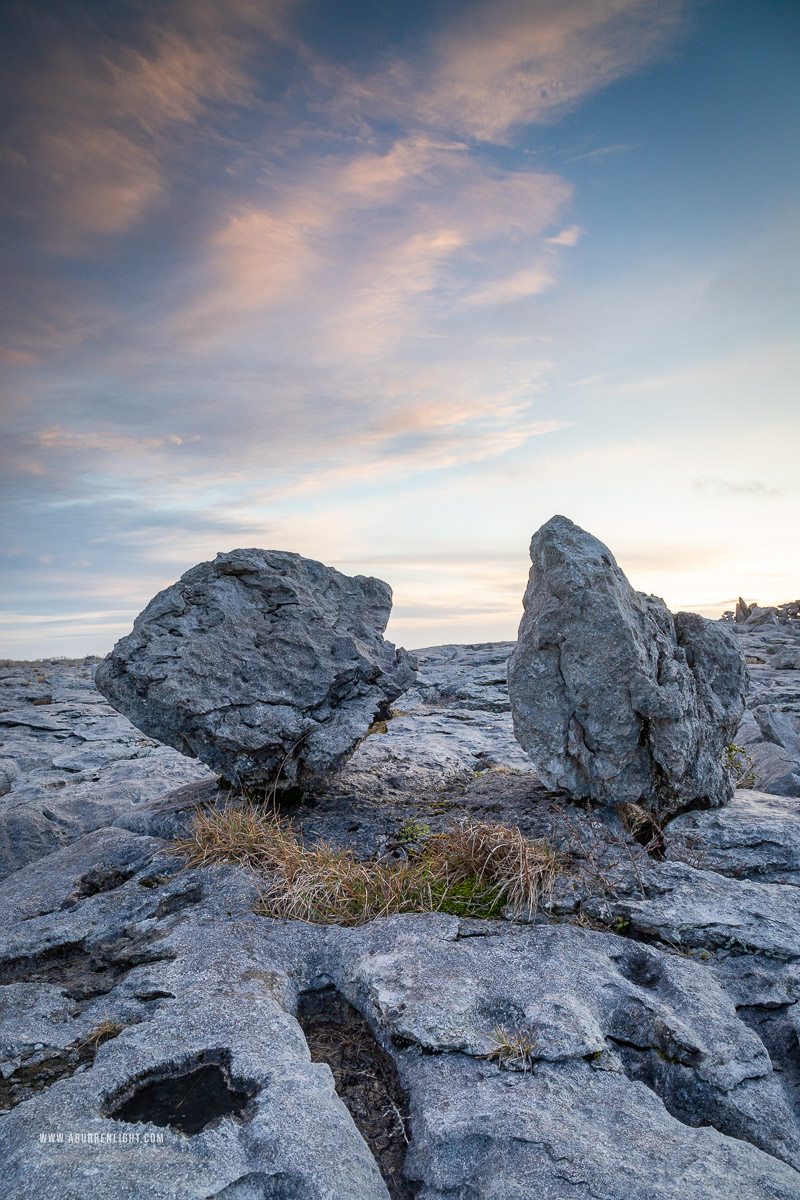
[
  {"x": 612, "y": 697},
  {"x": 267, "y": 666}
]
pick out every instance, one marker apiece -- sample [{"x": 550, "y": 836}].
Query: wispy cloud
[
  {"x": 754, "y": 489},
  {"x": 604, "y": 151},
  {"x": 531, "y": 281},
  {"x": 18, "y": 358},
  {"x": 512, "y": 62},
  {"x": 568, "y": 237},
  {"x": 372, "y": 246},
  {"x": 100, "y": 117}
]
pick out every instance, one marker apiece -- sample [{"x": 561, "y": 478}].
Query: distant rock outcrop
[
  {"x": 754, "y": 614},
  {"x": 613, "y": 698},
  {"x": 267, "y": 666}
]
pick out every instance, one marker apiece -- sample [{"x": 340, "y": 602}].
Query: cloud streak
[
  {"x": 754, "y": 489},
  {"x": 513, "y": 63}
]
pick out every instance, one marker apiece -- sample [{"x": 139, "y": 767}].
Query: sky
[{"x": 388, "y": 285}]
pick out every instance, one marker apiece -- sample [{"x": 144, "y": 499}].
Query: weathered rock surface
[
  {"x": 644, "y": 1073},
  {"x": 770, "y": 730},
  {"x": 756, "y": 836},
  {"x": 197, "y": 1010},
  {"x": 73, "y": 764},
  {"x": 550, "y": 1120},
  {"x": 267, "y": 666},
  {"x": 775, "y": 768},
  {"x": 427, "y": 756},
  {"x": 451, "y": 747},
  {"x": 461, "y": 678},
  {"x": 686, "y": 907},
  {"x": 613, "y": 698},
  {"x": 665, "y": 1033}
]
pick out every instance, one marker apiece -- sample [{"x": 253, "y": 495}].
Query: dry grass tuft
[
  {"x": 238, "y": 833},
  {"x": 473, "y": 869},
  {"x": 522, "y": 871},
  {"x": 514, "y": 1050},
  {"x": 319, "y": 883},
  {"x": 104, "y": 1032},
  {"x": 327, "y": 885},
  {"x": 634, "y": 818}
]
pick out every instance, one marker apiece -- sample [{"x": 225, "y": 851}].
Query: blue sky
[{"x": 389, "y": 285}]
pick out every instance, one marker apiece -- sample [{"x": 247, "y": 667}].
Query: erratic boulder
[
  {"x": 613, "y": 697},
  {"x": 267, "y": 666}
]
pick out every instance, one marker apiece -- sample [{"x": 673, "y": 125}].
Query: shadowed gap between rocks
[
  {"x": 98, "y": 879},
  {"x": 686, "y": 1097},
  {"x": 257, "y": 1185},
  {"x": 681, "y": 1094},
  {"x": 80, "y": 973},
  {"x": 692, "y": 950},
  {"x": 780, "y": 1039},
  {"x": 37, "y": 1076},
  {"x": 365, "y": 1078},
  {"x": 193, "y": 1097}
]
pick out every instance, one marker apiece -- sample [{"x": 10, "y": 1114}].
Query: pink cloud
[
  {"x": 360, "y": 249},
  {"x": 512, "y": 61},
  {"x": 95, "y": 144},
  {"x": 531, "y": 281}
]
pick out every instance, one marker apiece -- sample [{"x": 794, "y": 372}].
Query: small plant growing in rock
[
  {"x": 470, "y": 897},
  {"x": 742, "y": 766},
  {"x": 104, "y": 1032},
  {"x": 412, "y": 831},
  {"x": 514, "y": 1051}
]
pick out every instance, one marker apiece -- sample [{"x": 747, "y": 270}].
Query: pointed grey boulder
[
  {"x": 612, "y": 697},
  {"x": 267, "y": 666}
]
